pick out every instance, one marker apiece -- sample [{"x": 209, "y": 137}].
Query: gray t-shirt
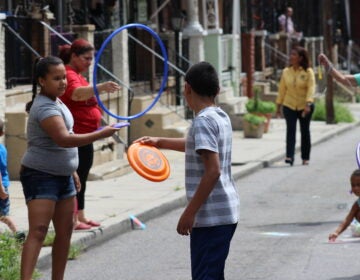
[
  {"x": 211, "y": 130},
  {"x": 43, "y": 153}
]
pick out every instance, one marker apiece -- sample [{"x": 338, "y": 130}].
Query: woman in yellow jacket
[{"x": 296, "y": 97}]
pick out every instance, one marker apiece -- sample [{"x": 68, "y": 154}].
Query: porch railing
[{"x": 273, "y": 50}]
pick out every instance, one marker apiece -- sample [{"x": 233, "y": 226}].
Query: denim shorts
[
  {"x": 40, "y": 185},
  {"x": 5, "y": 205}
]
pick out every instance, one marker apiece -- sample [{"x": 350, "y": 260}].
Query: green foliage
[
  {"x": 342, "y": 113},
  {"x": 9, "y": 257},
  {"x": 357, "y": 98},
  {"x": 254, "y": 119},
  {"x": 256, "y": 105},
  {"x": 74, "y": 252},
  {"x": 259, "y": 106},
  {"x": 49, "y": 239}
]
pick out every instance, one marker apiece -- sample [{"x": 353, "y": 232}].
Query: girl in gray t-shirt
[{"x": 48, "y": 167}]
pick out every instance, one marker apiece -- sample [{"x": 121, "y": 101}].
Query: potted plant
[
  {"x": 261, "y": 108},
  {"x": 253, "y": 125}
]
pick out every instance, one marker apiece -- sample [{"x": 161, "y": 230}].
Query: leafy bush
[
  {"x": 49, "y": 239},
  {"x": 74, "y": 250},
  {"x": 9, "y": 257},
  {"x": 259, "y": 106},
  {"x": 342, "y": 113},
  {"x": 256, "y": 105},
  {"x": 254, "y": 119},
  {"x": 357, "y": 98}
]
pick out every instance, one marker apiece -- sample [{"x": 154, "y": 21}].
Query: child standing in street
[
  {"x": 48, "y": 171},
  {"x": 355, "y": 209},
  {"x": 211, "y": 215},
  {"x": 4, "y": 190}
]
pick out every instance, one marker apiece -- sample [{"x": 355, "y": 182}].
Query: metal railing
[
  {"x": 18, "y": 52},
  {"x": 144, "y": 86}
]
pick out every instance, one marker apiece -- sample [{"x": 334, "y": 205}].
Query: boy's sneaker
[{"x": 20, "y": 236}]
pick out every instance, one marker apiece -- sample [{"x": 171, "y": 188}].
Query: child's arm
[
  {"x": 207, "y": 183},
  {"x": 3, "y": 194},
  {"x": 176, "y": 144},
  {"x": 343, "y": 226}
]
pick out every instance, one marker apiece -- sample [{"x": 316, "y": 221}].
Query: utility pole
[{"x": 328, "y": 40}]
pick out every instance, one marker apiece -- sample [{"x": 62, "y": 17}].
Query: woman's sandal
[
  {"x": 82, "y": 226},
  {"x": 92, "y": 223}
]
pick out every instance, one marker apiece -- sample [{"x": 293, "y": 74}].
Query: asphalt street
[{"x": 286, "y": 216}]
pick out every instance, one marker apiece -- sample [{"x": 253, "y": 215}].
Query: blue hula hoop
[{"x": 165, "y": 75}]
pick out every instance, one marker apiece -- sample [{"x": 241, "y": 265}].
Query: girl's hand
[
  {"x": 108, "y": 130},
  {"x": 77, "y": 181},
  {"x": 3, "y": 195},
  {"x": 333, "y": 236}
]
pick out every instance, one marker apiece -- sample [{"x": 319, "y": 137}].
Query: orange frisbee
[{"x": 148, "y": 162}]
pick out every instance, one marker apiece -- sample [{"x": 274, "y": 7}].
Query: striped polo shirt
[{"x": 211, "y": 130}]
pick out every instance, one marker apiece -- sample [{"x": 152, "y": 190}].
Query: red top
[{"x": 87, "y": 114}]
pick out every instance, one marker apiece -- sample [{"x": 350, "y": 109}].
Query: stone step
[
  {"x": 18, "y": 96},
  {"x": 177, "y": 129},
  {"x": 234, "y": 105},
  {"x": 164, "y": 116},
  {"x": 159, "y": 121},
  {"x": 163, "y": 124},
  {"x": 109, "y": 157},
  {"x": 235, "y": 108}
]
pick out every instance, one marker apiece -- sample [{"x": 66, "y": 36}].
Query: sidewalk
[{"x": 112, "y": 201}]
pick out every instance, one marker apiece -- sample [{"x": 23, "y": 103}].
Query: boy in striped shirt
[{"x": 212, "y": 212}]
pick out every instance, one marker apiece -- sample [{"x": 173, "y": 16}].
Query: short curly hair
[{"x": 203, "y": 79}]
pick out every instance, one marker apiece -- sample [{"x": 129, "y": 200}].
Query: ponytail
[
  {"x": 34, "y": 86},
  {"x": 41, "y": 68}
]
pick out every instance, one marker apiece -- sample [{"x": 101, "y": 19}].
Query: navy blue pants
[
  {"x": 291, "y": 117},
  {"x": 209, "y": 249}
]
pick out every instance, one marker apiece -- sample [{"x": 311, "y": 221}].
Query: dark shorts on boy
[
  {"x": 40, "y": 185},
  {"x": 5, "y": 205},
  {"x": 209, "y": 249}
]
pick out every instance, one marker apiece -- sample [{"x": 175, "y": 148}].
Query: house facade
[{"x": 239, "y": 37}]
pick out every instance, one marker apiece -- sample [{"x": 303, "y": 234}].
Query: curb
[{"x": 112, "y": 229}]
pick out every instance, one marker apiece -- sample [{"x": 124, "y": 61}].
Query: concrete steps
[
  {"x": 107, "y": 152},
  {"x": 159, "y": 121},
  {"x": 266, "y": 92},
  {"x": 109, "y": 157},
  {"x": 234, "y": 106}
]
